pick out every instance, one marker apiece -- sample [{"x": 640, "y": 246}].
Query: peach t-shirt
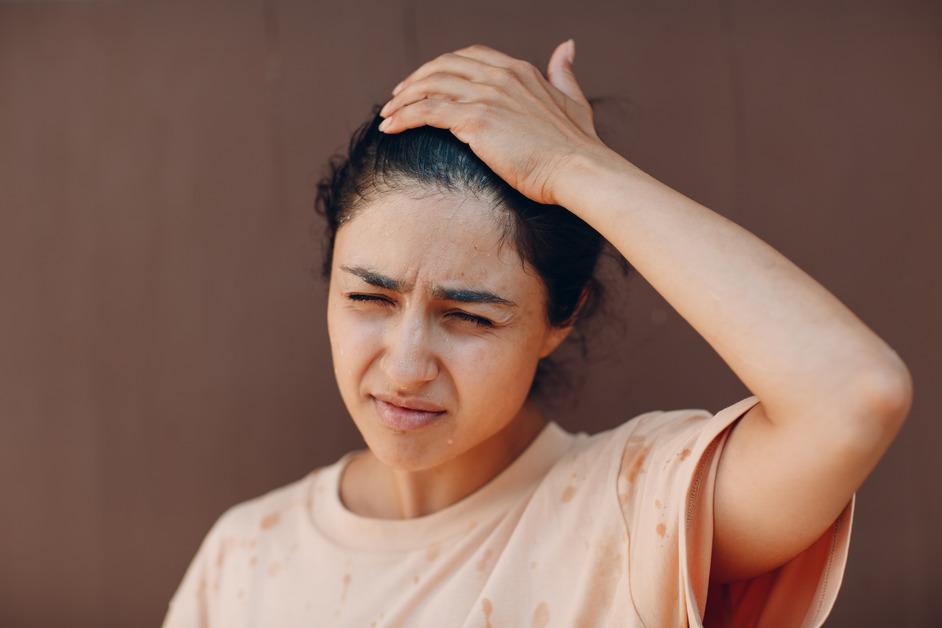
[{"x": 610, "y": 529}]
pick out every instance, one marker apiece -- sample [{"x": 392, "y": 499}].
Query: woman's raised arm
[{"x": 832, "y": 393}]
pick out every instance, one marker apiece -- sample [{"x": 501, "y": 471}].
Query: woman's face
[{"x": 424, "y": 307}]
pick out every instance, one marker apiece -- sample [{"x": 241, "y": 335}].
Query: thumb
[{"x": 559, "y": 71}]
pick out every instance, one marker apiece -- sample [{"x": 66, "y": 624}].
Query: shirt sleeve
[
  {"x": 192, "y": 604},
  {"x": 666, "y": 484}
]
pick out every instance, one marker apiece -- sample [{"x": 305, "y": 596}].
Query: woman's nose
[{"x": 409, "y": 360}]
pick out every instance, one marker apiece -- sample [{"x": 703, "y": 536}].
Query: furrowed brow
[
  {"x": 471, "y": 296},
  {"x": 463, "y": 295},
  {"x": 374, "y": 278}
]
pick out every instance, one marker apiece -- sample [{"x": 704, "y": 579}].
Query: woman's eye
[
  {"x": 367, "y": 297},
  {"x": 477, "y": 320},
  {"x": 464, "y": 316}
]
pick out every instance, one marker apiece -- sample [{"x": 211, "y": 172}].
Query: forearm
[{"x": 792, "y": 343}]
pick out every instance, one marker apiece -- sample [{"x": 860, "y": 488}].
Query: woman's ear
[
  {"x": 556, "y": 335},
  {"x": 554, "y": 338}
]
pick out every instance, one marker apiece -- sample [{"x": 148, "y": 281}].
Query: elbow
[
  {"x": 867, "y": 412},
  {"x": 890, "y": 391},
  {"x": 887, "y": 396}
]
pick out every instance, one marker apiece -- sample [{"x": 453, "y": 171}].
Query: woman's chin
[{"x": 410, "y": 450}]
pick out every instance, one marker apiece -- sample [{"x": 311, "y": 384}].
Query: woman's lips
[{"x": 403, "y": 419}]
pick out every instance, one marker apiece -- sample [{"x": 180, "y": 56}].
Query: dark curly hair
[{"x": 559, "y": 245}]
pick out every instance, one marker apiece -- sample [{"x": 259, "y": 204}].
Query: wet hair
[{"x": 562, "y": 248}]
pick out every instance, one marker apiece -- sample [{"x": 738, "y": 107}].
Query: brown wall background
[{"x": 163, "y": 348}]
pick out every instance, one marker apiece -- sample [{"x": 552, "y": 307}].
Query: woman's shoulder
[
  {"x": 629, "y": 448},
  {"x": 655, "y": 427},
  {"x": 665, "y": 428},
  {"x": 594, "y": 456}
]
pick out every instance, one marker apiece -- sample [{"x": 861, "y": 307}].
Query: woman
[{"x": 463, "y": 233}]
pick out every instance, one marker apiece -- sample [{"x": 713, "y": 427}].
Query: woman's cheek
[
  {"x": 491, "y": 368},
  {"x": 355, "y": 340}
]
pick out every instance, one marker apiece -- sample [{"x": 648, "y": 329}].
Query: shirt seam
[{"x": 624, "y": 520}]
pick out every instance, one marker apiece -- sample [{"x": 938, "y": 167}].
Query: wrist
[{"x": 586, "y": 171}]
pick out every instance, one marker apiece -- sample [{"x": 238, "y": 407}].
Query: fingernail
[
  {"x": 572, "y": 50},
  {"x": 384, "y": 124},
  {"x": 397, "y": 88}
]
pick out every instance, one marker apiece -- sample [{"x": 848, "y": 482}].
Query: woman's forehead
[
  {"x": 431, "y": 240},
  {"x": 442, "y": 214}
]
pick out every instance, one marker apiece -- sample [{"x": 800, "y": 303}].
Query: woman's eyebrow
[{"x": 451, "y": 294}]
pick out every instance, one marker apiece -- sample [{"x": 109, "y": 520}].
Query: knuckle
[
  {"x": 475, "y": 122},
  {"x": 425, "y": 105},
  {"x": 433, "y": 106},
  {"x": 502, "y": 76},
  {"x": 532, "y": 70},
  {"x": 481, "y": 115},
  {"x": 491, "y": 92},
  {"x": 522, "y": 66}
]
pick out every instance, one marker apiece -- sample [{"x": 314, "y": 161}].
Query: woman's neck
[{"x": 370, "y": 488}]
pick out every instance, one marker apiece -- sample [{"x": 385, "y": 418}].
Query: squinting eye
[
  {"x": 367, "y": 297},
  {"x": 477, "y": 320},
  {"x": 464, "y": 316}
]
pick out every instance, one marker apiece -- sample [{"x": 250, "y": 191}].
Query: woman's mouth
[{"x": 403, "y": 419}]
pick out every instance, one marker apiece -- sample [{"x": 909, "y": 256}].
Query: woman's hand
[{"x": 525, "y": 128}]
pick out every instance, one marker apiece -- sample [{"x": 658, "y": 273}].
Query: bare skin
[
  {"x": 410, "y": 343},
  {"x": 373, "y": 489},
  {"x": 832, "y": 394}
]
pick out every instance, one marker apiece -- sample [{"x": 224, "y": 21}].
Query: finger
[
  {"x": 560, "y": 72},
  {"x": 466, "y": 67},
  {"x": 482, "y": 64},
  {"x": 493, "y": 84},
  {"x": 563, "y": 80},
  {"x": 528, "y": 74},
  {"x": 486, "y": 54},
  {"x": 441, "y": 85},
  {"x": 436, "y": 112}
]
